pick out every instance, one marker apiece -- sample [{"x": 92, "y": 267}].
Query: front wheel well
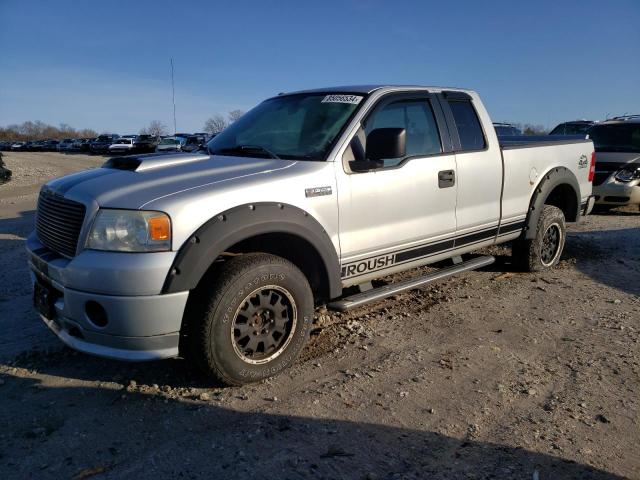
[{"x": 289, "y": 246}]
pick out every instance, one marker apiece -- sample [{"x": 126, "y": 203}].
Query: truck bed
[
  {"x": 524, "y": 141},
  {"x": 526, "y": 159}
]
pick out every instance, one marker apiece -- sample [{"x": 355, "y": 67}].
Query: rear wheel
[
  {"x": 544, "y": 250},
  {"x": 253, "y": 321}
]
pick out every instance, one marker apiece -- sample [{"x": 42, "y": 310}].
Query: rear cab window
[{"x": 468, "y": 125}]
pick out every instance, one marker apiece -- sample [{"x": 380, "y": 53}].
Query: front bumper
[
  {"x": 139, "y": 326},
  {"x": 613, "y": 192}
]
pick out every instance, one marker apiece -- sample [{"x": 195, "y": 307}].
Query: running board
[{"x": 380, "y": 293}]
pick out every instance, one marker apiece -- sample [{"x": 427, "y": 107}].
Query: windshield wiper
[{"x": 242, "y": 148}]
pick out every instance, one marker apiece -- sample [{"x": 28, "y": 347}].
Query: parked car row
[{"x": 111, "y": 143}]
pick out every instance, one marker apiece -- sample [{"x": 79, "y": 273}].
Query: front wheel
[
  {"x": 544, "y": 250},
  {"x": 255, "y": 319}
]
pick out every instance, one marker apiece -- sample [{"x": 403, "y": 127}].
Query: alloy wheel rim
[
  {"x": 264, "y": 324},
  {"x": 551, "y": 241}
]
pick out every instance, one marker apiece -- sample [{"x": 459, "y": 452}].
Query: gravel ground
[{"x": 493, "y": 374}]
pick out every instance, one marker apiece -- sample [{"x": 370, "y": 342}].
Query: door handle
[{"x": 446, "y": 178}]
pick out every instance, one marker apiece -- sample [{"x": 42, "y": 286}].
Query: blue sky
[{"x": 105, "y": 65}]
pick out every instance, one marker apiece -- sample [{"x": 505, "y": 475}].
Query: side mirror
[
  {"x": 365, "y": 165},
  {"x": 386, "y": 143}
]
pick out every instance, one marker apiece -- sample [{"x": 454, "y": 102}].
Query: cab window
[
  {"x": 468, "y": 125},
  {"x": 417, "y": 118}
]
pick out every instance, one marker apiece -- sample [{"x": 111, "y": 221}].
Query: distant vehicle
[
  {"x": 506, "y": 130},
  {"x": 122, "y": 145},
  {"x": 194, "y": 143},
  {"x": 80, "y": 145},
  {"x": 34, "y": 146},
  {"x": 19, "y": 146},
  {"x": 101, "y": 144},
  {"x": 66, "y": 145},
  {"x": 145, "y": 143},
  {"x": 50, "y": 146},
  {"x": 617, "y": 178},
  {"x": 5, "y": 173},
  {"x": 577, "y": 127},
  {"x": 171, "y": 144},
  {"x": 5, "y": 146}
]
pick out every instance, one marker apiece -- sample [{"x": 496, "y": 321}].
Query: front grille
[
  {"x": 617, "y": 199},
  {"x": 58, "y": 223}
]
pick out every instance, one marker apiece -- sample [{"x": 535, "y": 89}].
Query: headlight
[
  {"x": 627, "y": 174},
  {"x": 130, "y": 231}
]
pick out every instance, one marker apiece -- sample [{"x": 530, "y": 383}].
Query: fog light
[{"x": 96, "y": 314}]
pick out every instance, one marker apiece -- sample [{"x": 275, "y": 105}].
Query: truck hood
[{"x": 131, "y": 182}]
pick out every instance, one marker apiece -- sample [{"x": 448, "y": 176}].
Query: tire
[
  {"x": 238, "y": 335},
  {"x": 543, "y": 251}
]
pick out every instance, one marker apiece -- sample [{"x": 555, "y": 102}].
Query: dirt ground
[{"x": 494, "y": 374}]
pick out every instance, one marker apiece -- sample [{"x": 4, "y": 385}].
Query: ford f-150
[{"x": 221, "y": 256}]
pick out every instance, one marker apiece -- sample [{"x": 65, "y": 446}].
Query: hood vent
[
  {"x": 123, "y": 163},
  {"x": 140, "y": 163}
]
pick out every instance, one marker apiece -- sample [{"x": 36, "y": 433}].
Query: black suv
[
  {"x": 506, "y": 130},
  {"x": 194, "y": 143},
  {"x": 101, "y": 144},
  {"x": 577, "y": 127},
  {"x": 145, "y": 143}
]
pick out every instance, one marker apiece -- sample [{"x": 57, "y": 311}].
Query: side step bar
[{"x": 380, "y": 293}]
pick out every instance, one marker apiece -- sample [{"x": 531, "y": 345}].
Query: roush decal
[
  {"x": 381, "y": 262},
  {"x": 317, "y": 191},
  {"x": 353, "y": 99},
  {"x": 368, "y": 265}
]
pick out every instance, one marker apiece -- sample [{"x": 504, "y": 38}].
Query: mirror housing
[{"x": 386, "y": 143}]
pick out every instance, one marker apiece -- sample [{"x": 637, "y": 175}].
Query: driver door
[{"x": 405, "y": 210}]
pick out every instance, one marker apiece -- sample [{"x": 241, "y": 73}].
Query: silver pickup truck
[{"x": 221, "y": 256}]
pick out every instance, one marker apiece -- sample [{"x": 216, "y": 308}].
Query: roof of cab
[{"x": 367, "y": 89}]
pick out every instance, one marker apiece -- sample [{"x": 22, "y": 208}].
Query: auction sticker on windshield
[{"x": 353, "y": 99}]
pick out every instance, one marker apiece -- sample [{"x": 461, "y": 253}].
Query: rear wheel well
[{"x": 565, "y": 198}]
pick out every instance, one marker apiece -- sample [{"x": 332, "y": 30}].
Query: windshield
[
  {"x": 291, "y": 127},
  {"x": 124, "y": 141},
  {"x": 169, "y": 141},
  {"x": 616, "y": 137}
]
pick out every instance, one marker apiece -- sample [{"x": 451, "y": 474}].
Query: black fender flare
[
  {"x": 553, "y": 178},
  {"x": 227, "y": 228}
]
